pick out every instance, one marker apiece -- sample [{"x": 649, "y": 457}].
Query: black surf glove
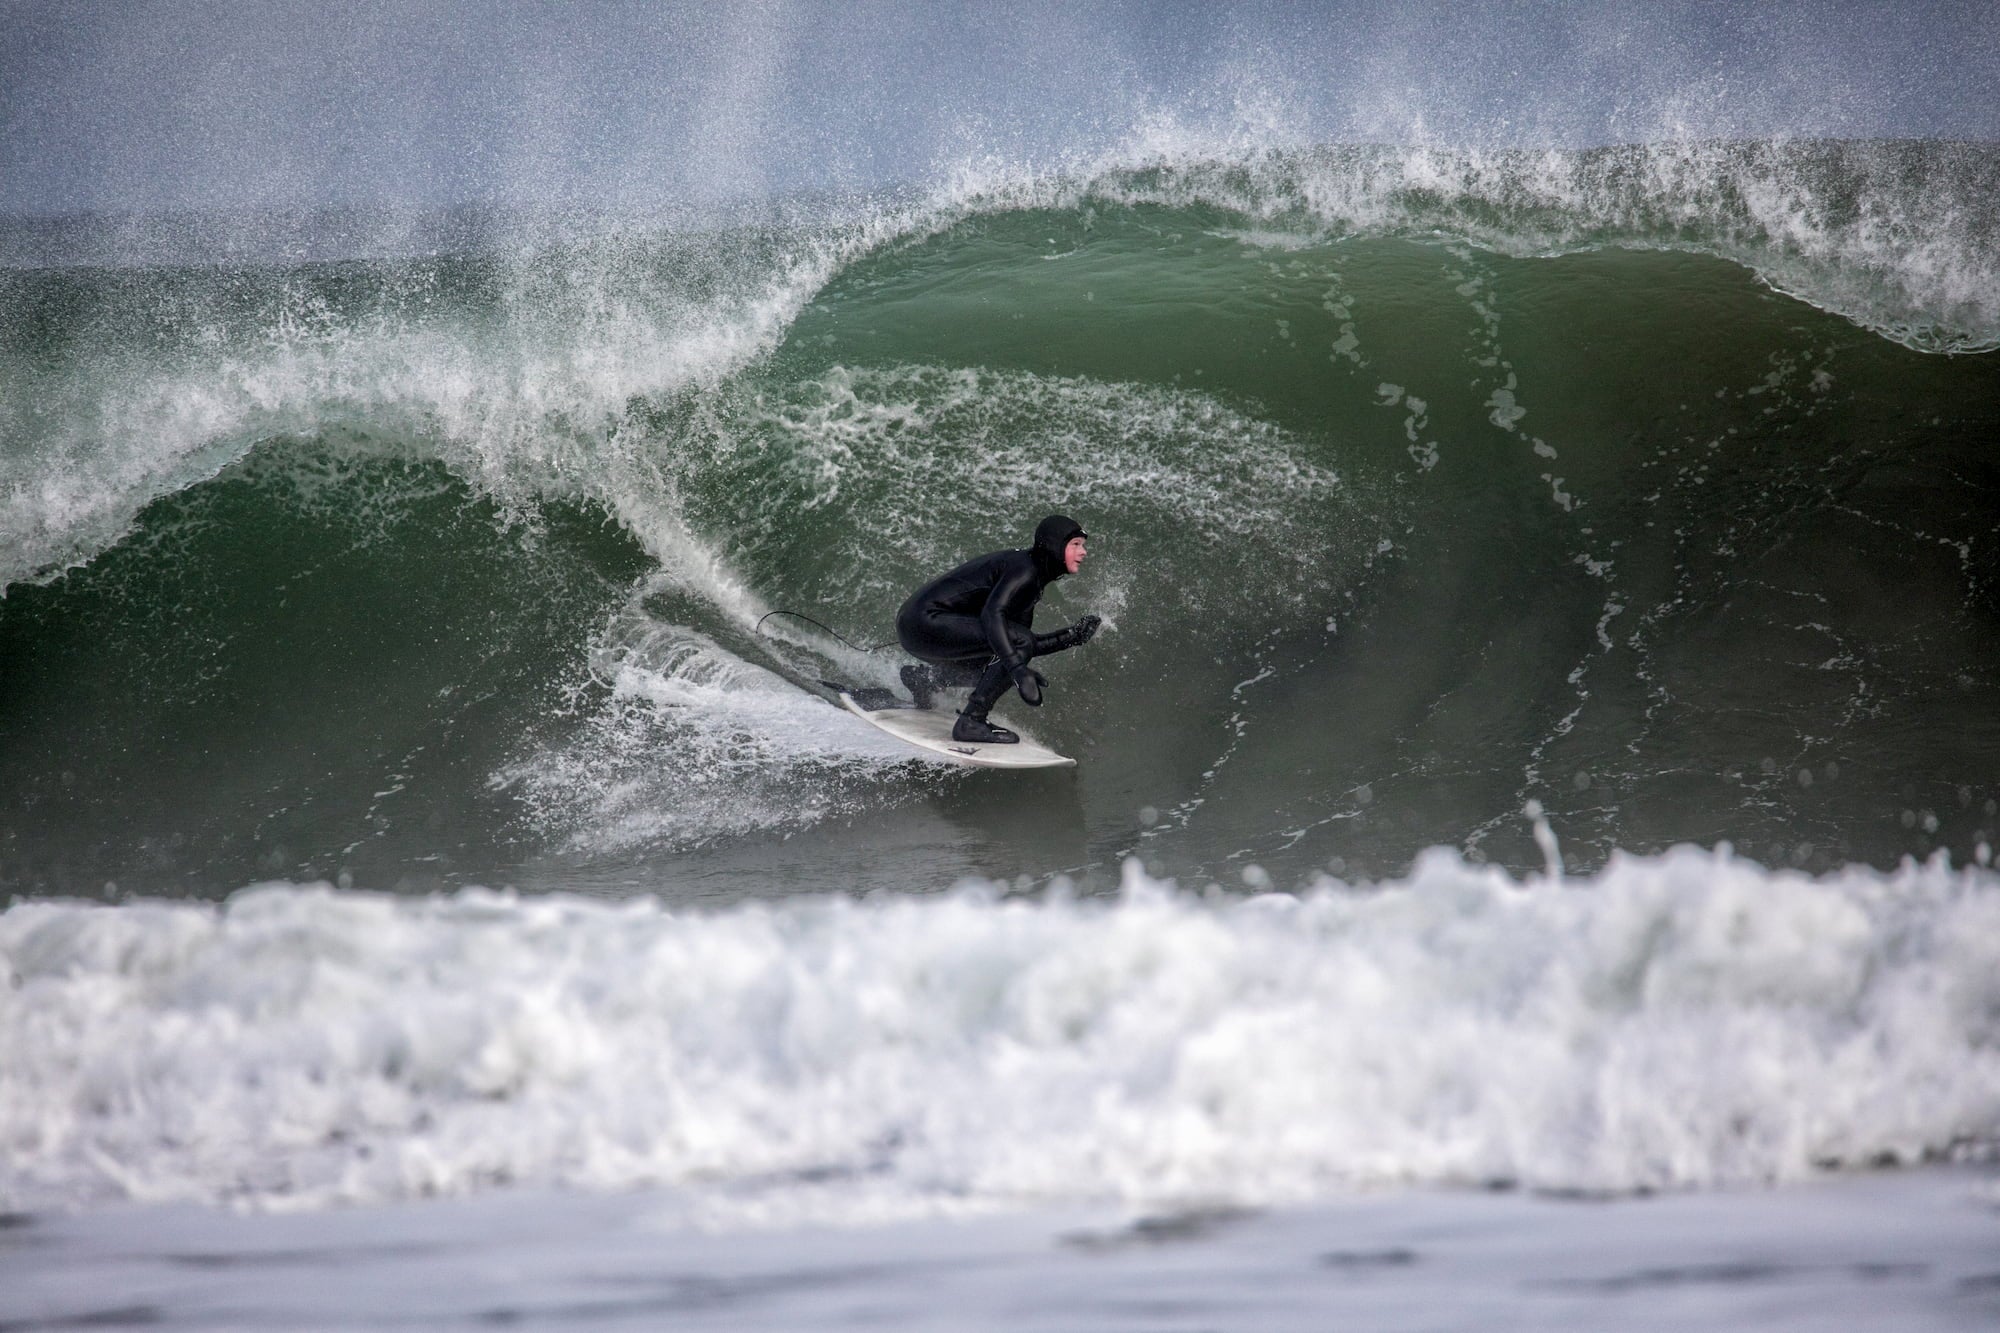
[
  {"x": 1029, "y": 682},
  {"x": 1070, "y": 636}
]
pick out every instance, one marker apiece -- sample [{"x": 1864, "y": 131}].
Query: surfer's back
[{"x": 964, "y": 590}]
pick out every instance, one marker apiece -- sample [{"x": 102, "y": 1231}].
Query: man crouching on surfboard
[{"x": 975, "y": 624}]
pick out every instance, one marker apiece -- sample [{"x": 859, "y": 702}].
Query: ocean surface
[{"x": 1545, "y": 734}]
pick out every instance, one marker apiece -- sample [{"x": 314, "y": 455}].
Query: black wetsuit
[{"x": 977, "y": 622}]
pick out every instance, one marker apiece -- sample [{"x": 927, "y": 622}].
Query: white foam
[
  {"x": 693, "y": 744},
  {"x": 1162, "y": 457},
  {"x": 1678, "y": 1021}
]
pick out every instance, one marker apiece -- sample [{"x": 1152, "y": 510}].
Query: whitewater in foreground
[{"x": 984, "y": 1110}]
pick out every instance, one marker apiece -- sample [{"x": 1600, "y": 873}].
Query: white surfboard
[{"x": 930, "y": 729}]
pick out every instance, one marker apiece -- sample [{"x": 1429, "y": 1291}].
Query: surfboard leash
[{"x": 758, "y": 628}]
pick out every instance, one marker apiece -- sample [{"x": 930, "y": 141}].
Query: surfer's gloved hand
[
  {"x": 1071, "y": 636},
  {"x": 1029, "y": 682}
]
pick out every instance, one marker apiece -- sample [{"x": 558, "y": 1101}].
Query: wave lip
[
  {"x": 520, "y": 375},
  {"x": 1898, "y": 236},
  {"x": 1678, "y": 1021}
]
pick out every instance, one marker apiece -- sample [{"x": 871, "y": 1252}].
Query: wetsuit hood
[{"x": 1052, "y": 534}]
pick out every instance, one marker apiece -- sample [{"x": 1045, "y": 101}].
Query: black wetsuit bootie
[
  {"x": 972, "y": 726},
  {"x": 978, "y": 731}
]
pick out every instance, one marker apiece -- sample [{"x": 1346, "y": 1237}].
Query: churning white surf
[{"x": 1677, "y": 1021}]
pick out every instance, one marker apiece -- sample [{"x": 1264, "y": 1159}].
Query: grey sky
[{"x": 155, "y": 104}]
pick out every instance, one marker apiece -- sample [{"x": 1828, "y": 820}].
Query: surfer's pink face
[{"x": 1073, "y": 554}]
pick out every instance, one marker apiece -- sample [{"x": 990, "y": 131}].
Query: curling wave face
[{"x": 1429, "y": 482}]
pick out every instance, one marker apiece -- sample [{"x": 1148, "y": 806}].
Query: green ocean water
[{"x": 1657, "y": 488}]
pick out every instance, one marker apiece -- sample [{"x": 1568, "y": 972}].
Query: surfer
[{"x": 975, "y": 625}]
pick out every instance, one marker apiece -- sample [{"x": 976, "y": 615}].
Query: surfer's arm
[{"x": 993, "y": 619}]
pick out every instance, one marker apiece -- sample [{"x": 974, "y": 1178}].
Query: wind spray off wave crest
[
  {"x": 1897, "y": 236},
  {"x": 517, "y": 367}
]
